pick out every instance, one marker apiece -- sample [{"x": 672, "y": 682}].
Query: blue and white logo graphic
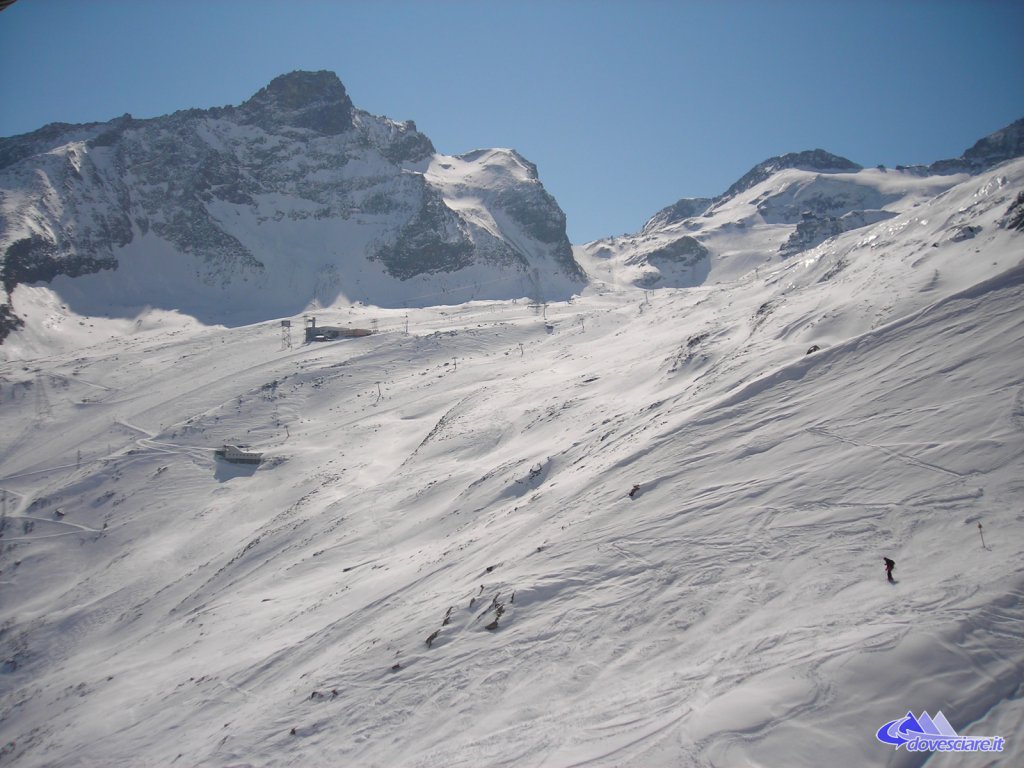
[{"x": 925, "y": 733}]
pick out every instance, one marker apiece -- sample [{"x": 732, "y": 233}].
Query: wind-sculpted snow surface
[{"x": 438, "y": 561}]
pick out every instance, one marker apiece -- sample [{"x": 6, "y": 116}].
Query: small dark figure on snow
[
  {"x": 889, "y": 565},
  {"x": 633, "y": 490}
]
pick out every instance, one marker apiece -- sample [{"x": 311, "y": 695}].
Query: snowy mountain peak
[
  {"x": 988, "y": 152},
  {"x": 809, "y": 160},
  {"x": 783, "y": 206},
  {"x": 997, "y": 147},
  {"x": 314, "y": 100},
  {"x": 503, "y": 163},
  {"x": 292, "y": 200}
]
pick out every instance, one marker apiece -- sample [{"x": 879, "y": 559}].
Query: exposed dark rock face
[
  {"x": 16, "y": 148},
  {"x": 685, "y": 251},
  {"x": 1014, "y": 218},
  {"x": 8, "y": 321},
  {"x": 313, "y": 100},
  {"x": 35, "y": 258},
  {"x": 998, "y": 147},
  {"x": 433, "y": 240},
  {"x": 539, "y": 216},
  {"x": 815, "y": 229},
  {"x": 810, "y": 232},
  {"x": 1005, "y": 144},
  {"x": 407, "y": 145}
]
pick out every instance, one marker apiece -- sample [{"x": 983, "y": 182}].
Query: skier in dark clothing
[
  {"x": 889, "y": 565},
  {"x": 633, "y": 490}
]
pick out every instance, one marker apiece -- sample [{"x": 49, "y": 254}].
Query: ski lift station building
[
  {"x": 316, "y": 332},
  {"x": 237, "y": 455}
]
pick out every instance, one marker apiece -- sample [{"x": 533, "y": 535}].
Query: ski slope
[{"x": 468, "y": 467}]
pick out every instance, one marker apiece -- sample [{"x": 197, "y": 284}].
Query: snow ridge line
[{"x": 795, "y": 371}]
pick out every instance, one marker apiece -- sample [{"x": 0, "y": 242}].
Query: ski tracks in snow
[{"x": 898, "y": 455}]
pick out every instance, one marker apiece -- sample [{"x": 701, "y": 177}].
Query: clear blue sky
[{"x": 624, "y": 105}]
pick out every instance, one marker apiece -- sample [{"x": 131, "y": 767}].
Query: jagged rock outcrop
[
  {"x": 814, "y": 229},
  {"x": 1014, "y": 218},
  {"x": 533, "y": 210},
  {"x": 314, "y": 100},
  {"x": 8, "y": 321},
  {"x": 255, "y": 204},
  {"x": 988, "y": 152},
  {"x": 678, "y": 212},
  {"x": 433, "y": 240},
  {"x": 35, "y": 258},
  {"x": 682, "y": 254}
]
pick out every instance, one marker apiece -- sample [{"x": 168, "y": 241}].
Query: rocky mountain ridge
[
  {"x": 293, "y": 198},
  {"x": 296, "y": 199},
  {"x": 783, "y": 206}
]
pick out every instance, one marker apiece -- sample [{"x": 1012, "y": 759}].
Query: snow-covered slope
[
  {"x": 293, "y": 199},
  {"x": 782, "y": 207},
  {"x": 790, "y": 211},
  {"x": 437, "y": 562}
]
